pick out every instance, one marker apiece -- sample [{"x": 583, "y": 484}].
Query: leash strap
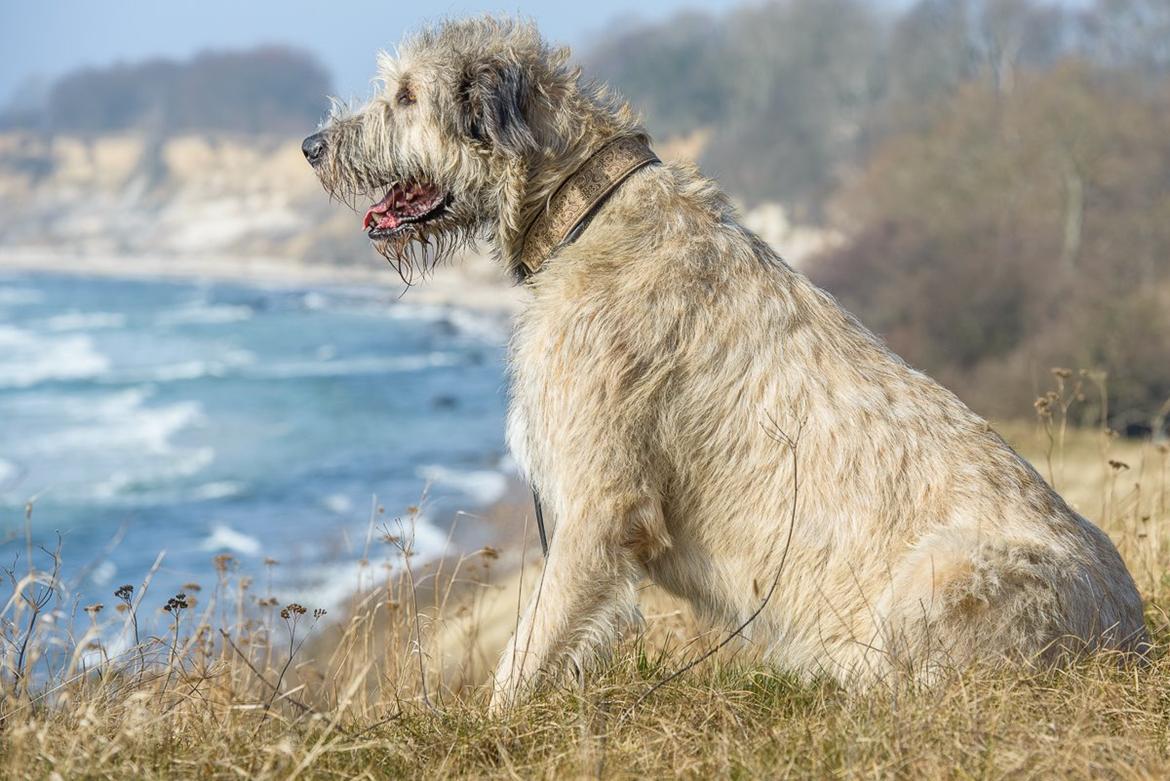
[{"x": 540, "y": 523}]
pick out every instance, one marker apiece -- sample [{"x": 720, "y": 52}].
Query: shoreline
[
  {"x": 471, "y": 281},
  {"x": 467, "y": 283}
]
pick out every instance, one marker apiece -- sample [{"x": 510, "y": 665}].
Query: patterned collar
[{"x": 576, "y": 198}]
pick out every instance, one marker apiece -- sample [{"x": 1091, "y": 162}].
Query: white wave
[
  {"x": 352, "y": 366},
  {"x": 206, "y": 314},
  {"x": 7, "y": 471},
  {"x": 179, "y": 465},
  {"x": 73, "y": 406},
  {"x": 186, "y": 370},
  {"x": 103, "y": 573},
  {"x": 220, "y": 489},
  {"x": 225, "y": 538},
  {"x": 28, "y": 358},
  {"x": 486, "y": 328},
  {"x": 314, "y": 301},
  {"x": 328, "y": 585},
  {"x": 131, "y": 427},
  {"x": 482, "y": 486},
  {"x": 20, "y": 296},
  {"x": 107, "y": 446},
  {"x": 74, "y": 320},
  {"x": 338, "y": 504},
  {"x": 489, "y": 328},
  {"x": 118, "y": 404}
]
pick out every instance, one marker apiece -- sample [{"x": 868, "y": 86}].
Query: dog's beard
[{"x": 416, "y": 252}]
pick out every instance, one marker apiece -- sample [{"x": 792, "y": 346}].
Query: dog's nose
[{"x": 314, "y": 148}]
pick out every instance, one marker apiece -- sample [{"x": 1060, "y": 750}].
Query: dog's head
[{"x": 442, "y": 153}]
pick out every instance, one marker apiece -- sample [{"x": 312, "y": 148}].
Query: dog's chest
[
  {"x": 541, "y": 381},
  {"x": 524, "y": 406}
]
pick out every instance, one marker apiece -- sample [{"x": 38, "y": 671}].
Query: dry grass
[{"x": 394, "y": 687}]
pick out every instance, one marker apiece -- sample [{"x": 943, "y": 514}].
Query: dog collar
[{"x": 576, "y": 198}]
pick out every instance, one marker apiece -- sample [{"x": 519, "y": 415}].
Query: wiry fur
[{"x": 669, "y": 374}]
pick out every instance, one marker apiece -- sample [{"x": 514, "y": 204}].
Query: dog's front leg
[{"x": 585, "y": 596}]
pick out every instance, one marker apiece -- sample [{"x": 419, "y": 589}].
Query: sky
[{"x": 42, "y": 39}]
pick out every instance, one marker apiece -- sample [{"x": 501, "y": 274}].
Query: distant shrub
[{"x": 1029, "y": 228}]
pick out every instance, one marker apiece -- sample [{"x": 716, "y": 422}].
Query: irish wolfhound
[{"x": 690, "y": 408}]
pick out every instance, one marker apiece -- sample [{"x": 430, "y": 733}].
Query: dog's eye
[{"x": 405, "y": 96}]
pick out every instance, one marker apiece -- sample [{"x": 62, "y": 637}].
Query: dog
[{"x": 690, "y": 409}]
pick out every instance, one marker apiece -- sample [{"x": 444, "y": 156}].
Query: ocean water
[{"x": 200, "y": 418}]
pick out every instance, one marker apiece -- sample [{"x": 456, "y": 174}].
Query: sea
[{"x": 153, "y": 426}]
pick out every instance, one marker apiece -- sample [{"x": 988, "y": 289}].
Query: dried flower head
[
  {"x": 1045, "y": 404},
  {"x": 1118, "y": 466},
  {"x": 94, "y": 609},
  {"x": 176, "y": 603},
  {"x": 125, "y": 592},
  {"x": 292, "y": 609}
]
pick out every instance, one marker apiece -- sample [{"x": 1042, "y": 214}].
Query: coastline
[{"x": 472, "y": 281}]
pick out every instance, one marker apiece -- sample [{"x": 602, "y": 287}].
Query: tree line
[{"x": 268, "y": 90}]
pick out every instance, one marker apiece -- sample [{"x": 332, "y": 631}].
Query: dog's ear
[{"x": 493, "y": 97}]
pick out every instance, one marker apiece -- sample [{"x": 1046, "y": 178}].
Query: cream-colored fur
[{"x": 671, "y": 372}]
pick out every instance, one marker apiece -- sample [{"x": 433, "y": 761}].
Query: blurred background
[{"x": 200, "y": 354}]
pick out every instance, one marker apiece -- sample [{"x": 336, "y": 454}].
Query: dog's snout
[{"x": 314, "y": 148}]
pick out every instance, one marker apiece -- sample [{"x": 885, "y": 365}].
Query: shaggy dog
[{"x": 690, "y": 408}]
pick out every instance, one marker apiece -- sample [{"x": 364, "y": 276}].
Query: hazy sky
[{"x": 44, "y": 38}]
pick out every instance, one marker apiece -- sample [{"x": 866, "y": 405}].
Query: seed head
[{"x": 176, "y": 603}]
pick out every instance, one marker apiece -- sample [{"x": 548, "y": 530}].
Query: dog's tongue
[{"x": 382, "y": 210}]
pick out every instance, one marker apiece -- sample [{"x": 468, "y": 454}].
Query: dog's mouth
[{"x": 406, "y": 207}]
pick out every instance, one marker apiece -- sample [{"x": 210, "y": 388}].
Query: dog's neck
[{"x": 557, "y": 208}]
